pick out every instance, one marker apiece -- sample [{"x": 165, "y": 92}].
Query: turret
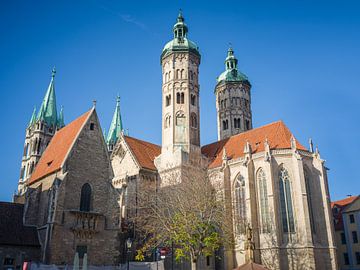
[{"x": 233, "y": 99}]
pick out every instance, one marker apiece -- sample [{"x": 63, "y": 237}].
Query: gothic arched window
[
  {"x": 85, "y": 199},
  {"x": 240, "y": 204},
  {"x": 309, "y": 199},
  {"x": 286, "y": 207},
  {"x": 264, "y": 203}
]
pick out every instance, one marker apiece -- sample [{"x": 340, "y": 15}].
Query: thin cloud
[{"x": 130, "y": 19}]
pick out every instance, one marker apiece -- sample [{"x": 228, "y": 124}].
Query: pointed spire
[
  {"x": 33, "y": 117},
  {"x": 116, "y": 125},
  {"x": 61, "y": 122},
  {"x": 311, "y": 146},
  {"x": 47, "y": 112}
]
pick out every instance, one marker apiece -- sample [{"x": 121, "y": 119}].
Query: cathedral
[{"x": 75, "y": 180}]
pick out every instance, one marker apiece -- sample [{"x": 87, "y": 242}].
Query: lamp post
[{"x": 128, "y": 247}]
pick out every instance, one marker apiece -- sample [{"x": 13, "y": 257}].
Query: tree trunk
[
  {"x": 193, "y": 262},
  {"x": 193, "y": 265}
]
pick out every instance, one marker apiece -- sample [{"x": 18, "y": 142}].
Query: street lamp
[{"x": 128, "y": 247}]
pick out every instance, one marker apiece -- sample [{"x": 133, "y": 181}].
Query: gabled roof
[
  {"x": 277, "y": 134},
  {"x": 344, "y": 202},
  {"x": 337, "y": 209},
  {"x": 144, "y": 152},
  {"x": 13, "y": 232},
  {"x": 58, "y": 148}
]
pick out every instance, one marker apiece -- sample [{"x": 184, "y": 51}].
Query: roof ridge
[
  {"x": 142, "y": 141},
  {"x": 247, "y": 132}
]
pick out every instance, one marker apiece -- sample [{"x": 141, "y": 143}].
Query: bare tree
[{"x": 188, "y": 213}]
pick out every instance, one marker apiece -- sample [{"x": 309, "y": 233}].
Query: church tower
[
  {"x": 180, "y": 60},
  {"x": 233, "y": 99},
  {"x": 39, "y": 132}
]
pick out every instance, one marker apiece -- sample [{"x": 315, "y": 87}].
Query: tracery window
[
  {"x": 264, "y": 203},
  {"x": 240, "y": 204},
  {"x": 286, "y": 207},
  {"x": 85, "y": 199},
  {"x": 309, "y": 200}
]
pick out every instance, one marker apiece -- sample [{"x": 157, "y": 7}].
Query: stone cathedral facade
[{"x": 276, "y": 186}]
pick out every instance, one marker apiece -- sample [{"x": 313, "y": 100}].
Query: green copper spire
[
  {"x": 47, "y": 112},
  {"x": 60, "y": 121},
  {"x": 33, "y": 118},
  {"x": 231, "y": 73},
  {"x": 116, "y": 125}
]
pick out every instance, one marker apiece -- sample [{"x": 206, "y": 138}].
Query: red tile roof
[
  {"x": 60, "y": 145},
  {"x": 344, "y": 202},
  {"x": 338, "y": 210},
  {"x": 277, "y": 134},
  {"x": 144, "y": 152}
]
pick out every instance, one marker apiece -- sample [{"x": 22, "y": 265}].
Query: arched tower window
[
  {"x": 182, "y": 98},
  {"x": 286, "y": 208},
  {"x": 168, "y": 100},
  {"x": 240, "y": 204},
  {"x": 309, "y": 199},
  {"x": 182, "y": 74},
  {"x": 264, "y": 203},
  {"x": 193, "y": 100},
  {"x": 38, "y": 147},
  {"x": 167, "y": 121},
  {"x": 85, "y": 199},
  {"x": 180, "y": 118},
  {"x": 194, "y": 120},
  {"x": 178, "y": 74}
]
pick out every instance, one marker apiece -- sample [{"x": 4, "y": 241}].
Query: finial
[
  {"x": 53, "y": 72},
  {"x": 224, "y": 155},
  {"x": 118, "y": 99},
  {"x": 94, "y": 103},
  {"x": 311, "y": 146},
  {"x": 292, "y": 142}
]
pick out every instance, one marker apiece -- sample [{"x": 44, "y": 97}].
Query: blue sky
[{"x": 302, "y": 58}]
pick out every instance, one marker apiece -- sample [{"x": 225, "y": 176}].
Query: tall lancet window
[
  {"x": 263, "y": 201},
  {"x": 85, "y": 199},
  {"x": 309, "y": 199},
  {"x": 286, "y": 208},
  {"x": 240, "y": 202}
]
